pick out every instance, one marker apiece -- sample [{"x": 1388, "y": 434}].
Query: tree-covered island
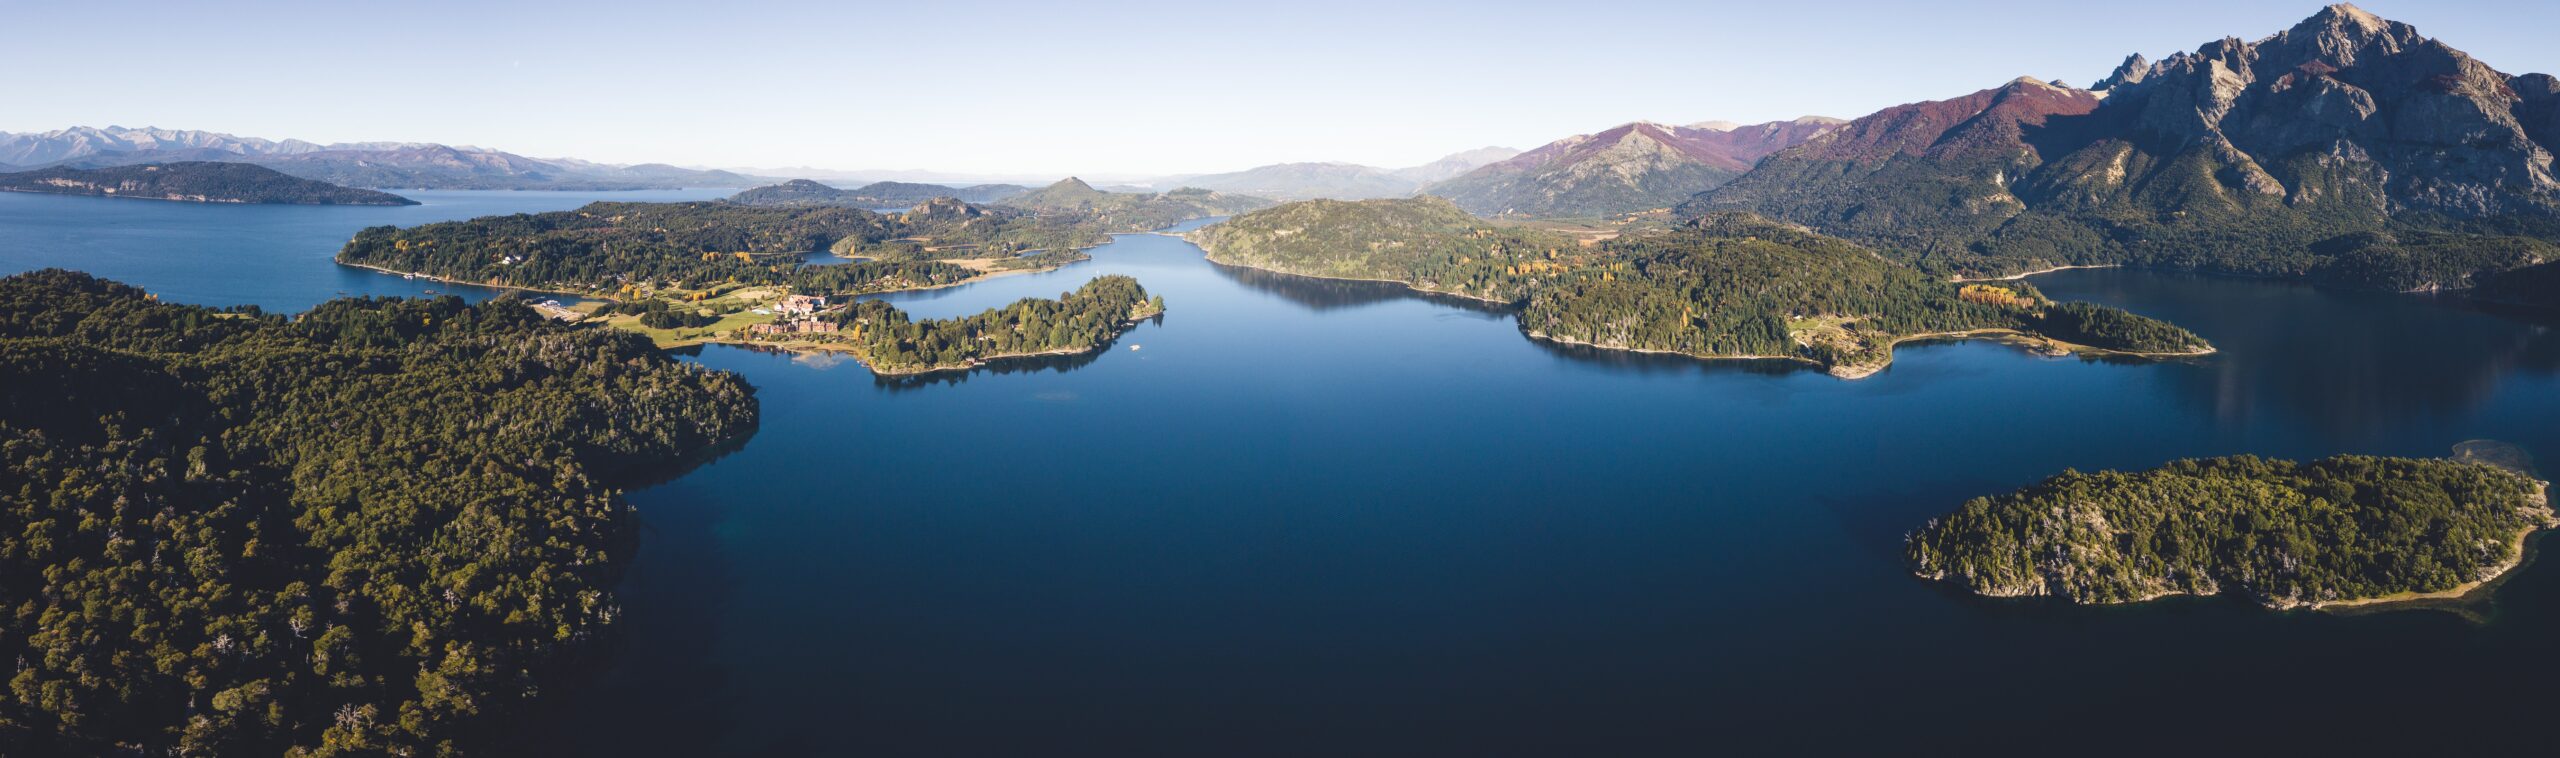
[
  {"x": 2340, "y": 531},
  {"x": 384, "y": 527},
  {"x": 1726, "y": 285},
  {"x": 891, "y": 343}
]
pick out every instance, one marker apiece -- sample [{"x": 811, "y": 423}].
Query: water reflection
[
  {"x": 1665, "y": 363},
  {"x": 2356, "y": 365},
  {"x": 1320, "y": 295}
]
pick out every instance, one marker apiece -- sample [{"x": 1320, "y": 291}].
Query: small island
[
  {"x": 1723, "y": 286},
  {"x": 2332, "y": 533},
  {"x": 194, "y": 182}
]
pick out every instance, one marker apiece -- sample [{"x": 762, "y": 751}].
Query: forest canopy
[
  {"x": 382, "y": 527},
  {"x": 890, "y": 342},
  {"x": 1722, "y": 285},
  {"x": 2285, "y": 534}
]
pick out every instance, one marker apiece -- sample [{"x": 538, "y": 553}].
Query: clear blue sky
[{"x": 1096, "y": 88}]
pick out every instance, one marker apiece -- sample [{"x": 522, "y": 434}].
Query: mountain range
[
  {"x": 1631, "y": 167},
  {"x": 1345, "y": 181},
  {"x": 354, "y": 164},
  {"x": 875, "y": 195},
  {"x": 2347, "y": 149}
]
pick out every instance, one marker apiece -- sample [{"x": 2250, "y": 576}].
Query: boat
[{"x": 1134, "y": 347}]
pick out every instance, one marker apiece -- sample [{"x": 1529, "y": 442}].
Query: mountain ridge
[
  {"x": 1345, "y": 181},
  {"x": 415, "y": 165},
  {"x": 2347, "y": 148},
  {"x": 1631, "y": 167}
]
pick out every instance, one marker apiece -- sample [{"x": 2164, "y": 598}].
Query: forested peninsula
[
  {"x": 623, "y": 250},
  {"x": 689, "y": 273},
  {"x": 194, "y": 182},
  {"x": 1728, "y": 285},
  {"x": 2339, "y": 531},
  {"x": 383, "y": 527}
]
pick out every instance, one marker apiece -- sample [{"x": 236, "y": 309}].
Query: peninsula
[
  {"x": 692, "y": 252},
  {"x": 2342, "y": 531},
  {"x": 1727, "y": 285},
  {"x": 194, "y": 182}
]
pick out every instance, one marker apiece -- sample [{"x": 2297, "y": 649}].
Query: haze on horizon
[{"x": 1135, "y": 89}]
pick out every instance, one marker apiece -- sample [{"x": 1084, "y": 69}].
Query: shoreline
[
  {"x": 2023, "y": 275},
  {"x": 1846, "y": 372},
  {"x": 1856, "y": 371},
  {"x": 113, "y": 196},
  {"x": 489, "y": 285},
  {"x": 1207, "y": 255},
  {"x": 1545, "y": 337},
  {"x": 2519, "y": 551},
  {"x": 808, "y": 347},
  {"x": 2519, "y": 548},
  {"x": 982, "y": 275}
]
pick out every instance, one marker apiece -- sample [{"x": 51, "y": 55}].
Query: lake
[
  {"x": 1308, "y": 517},
  {"x": 276, "y": 257}
]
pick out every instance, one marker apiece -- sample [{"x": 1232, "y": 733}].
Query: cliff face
[
  {"x": 2317, "y": 151},
  {"x": 2403, "y": 119}
]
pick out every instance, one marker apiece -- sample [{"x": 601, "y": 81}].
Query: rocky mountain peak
[
  {"x": 2134, "y": 69},
  {"x": 2339, "y": 36}
]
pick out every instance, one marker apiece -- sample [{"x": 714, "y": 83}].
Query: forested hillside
[
  {"x": 618, "y": 248},
  {"x": 1724, "y": 285},
  {"x": 382, "y": 528},
  {"x": 1131, "y": 211}
]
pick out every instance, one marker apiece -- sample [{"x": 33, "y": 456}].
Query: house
[
  {"x": 800, "y": 305},
  {"x": 780, "y": 328}
]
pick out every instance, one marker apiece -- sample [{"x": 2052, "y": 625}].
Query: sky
[{"x": 1094, "y": 88}]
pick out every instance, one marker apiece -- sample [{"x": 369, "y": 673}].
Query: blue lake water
[
  {"x": 273, "y": 256},
  {"x": 1315, "y": 518}
]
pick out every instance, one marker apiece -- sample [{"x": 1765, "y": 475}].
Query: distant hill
[
  {"x": 1345, "y": 181},
  {"x": 1633, "y": 167},
  {"x": 873, "y": 195},
  {"x": 355, "y": 164},
  {"x": 1132, "y": 211},
  {"x": 1456, "y": 164},
  {"x": 1338, "y": 181},
  {"x": 2348, "y": 149},
  {"x": 198, "y": 182}
]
